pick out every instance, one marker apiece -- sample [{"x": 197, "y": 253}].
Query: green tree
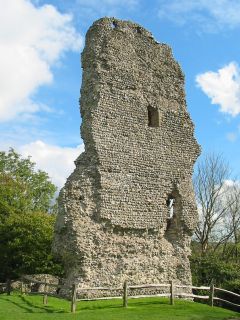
[
  {"x": 215, "y": 249},
  {"x": 213, "y": 267},
  {"x": 25, "y": 245},
  {"x": 26, "y": 219},
  {"x": 22, "y": 188},
  {"x": 218, "y": 200}
]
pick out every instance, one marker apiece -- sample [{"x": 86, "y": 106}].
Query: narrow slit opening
[
  {"x": 170, "y": 204},
  {"x": 153, "y": 117}
]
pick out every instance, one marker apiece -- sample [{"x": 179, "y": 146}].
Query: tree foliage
[
  {"x": 212, "y": 267},
  {"x": 218, "y": 200},
  {"x": 22, "y": 188},
  {"x": 25, "y": 245},
  {"x": 26, "y": 219},
  {"x": 215, "y": 249}
]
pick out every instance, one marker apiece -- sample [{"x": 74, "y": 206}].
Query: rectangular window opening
[{"x": 153, "y": 117}]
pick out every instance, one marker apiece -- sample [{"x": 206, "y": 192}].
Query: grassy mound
[{"x": 18, "y": 307}]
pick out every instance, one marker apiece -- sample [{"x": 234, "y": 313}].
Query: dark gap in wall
[
  {"x": 113, "y": 24},
  {"x": 174, "y": 225},
  {"x": 139, "y": 30},
  {"x": 153, "y": 117}
]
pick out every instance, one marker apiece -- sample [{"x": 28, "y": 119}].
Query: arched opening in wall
[
  {"x": 170, "y": 204},
  {"x": 153, "y": 117},
  {"x": 170, "y": 207},
  {"x": 174, "y": 214}
]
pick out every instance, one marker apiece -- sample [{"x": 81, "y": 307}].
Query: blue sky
[{"x": 40, "y": 71}]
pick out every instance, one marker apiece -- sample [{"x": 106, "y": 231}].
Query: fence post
[
  {"x": 171, "y": 293},
  {"x": 22, "y": 288},
  {"x": 45, "y": 296},
  {"x": 211, "y": 294},
  {"x": 8, "y": 287},
  {"x": 74, "y": 298},
  {"x": 125, "y": 294}
]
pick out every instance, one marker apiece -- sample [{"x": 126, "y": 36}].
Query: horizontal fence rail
[
  {"x": 101, "y": 298},
  {"x": 151, "y": 295},
  {"x": 45, "y": 292},
  {"x": 226, "y": 301},
  {"x": 193, "y": 287},
  {"x": 31, "y": 280},
  {"x": 191, "y": 295},
  {"x": 99, "y": 288},
  {"x": 171, "y": 292},
  {"x": 143, "y": 286},
  {"x": 226, "y": 291}
]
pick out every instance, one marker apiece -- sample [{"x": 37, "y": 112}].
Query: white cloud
[
  {"x": 230, "y": 183},
  {"x": 223, "y": 88},
  {"x": 32, "y": 39},
  {"x": 57, "y": 161},
  {"x": 210, "y": 16}
]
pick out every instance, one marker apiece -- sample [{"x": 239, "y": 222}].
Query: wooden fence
[
  {"x": 171, "y": 291},
  {"x": 25, "y": 281}
]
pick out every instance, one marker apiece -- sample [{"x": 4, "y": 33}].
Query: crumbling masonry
[{"x": 128, "y": 209}]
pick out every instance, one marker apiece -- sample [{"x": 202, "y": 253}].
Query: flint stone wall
[{"x": 114, "y": 222}]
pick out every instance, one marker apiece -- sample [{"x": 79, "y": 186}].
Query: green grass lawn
[{"x": 16, "y": 307}]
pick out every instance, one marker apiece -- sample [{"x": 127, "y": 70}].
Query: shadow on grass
[
  {"x": 97, "y": 307},
  {"x": 21, "y": 306},
  {"x": 29, "y": 307},
  {"x": 47, "y": 309},
  {"x": 144, "y": 303},
  {"x": 119, "y": 306}
]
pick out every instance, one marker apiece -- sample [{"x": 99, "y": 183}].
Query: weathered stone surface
[
  {"x": 35, "y": 287},
  {"x": 114, "y": 222}
]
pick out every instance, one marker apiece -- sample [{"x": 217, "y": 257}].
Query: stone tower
[{"x": 128, "y": 209}]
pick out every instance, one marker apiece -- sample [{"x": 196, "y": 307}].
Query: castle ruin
[{"x": 128, "y": 212}]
